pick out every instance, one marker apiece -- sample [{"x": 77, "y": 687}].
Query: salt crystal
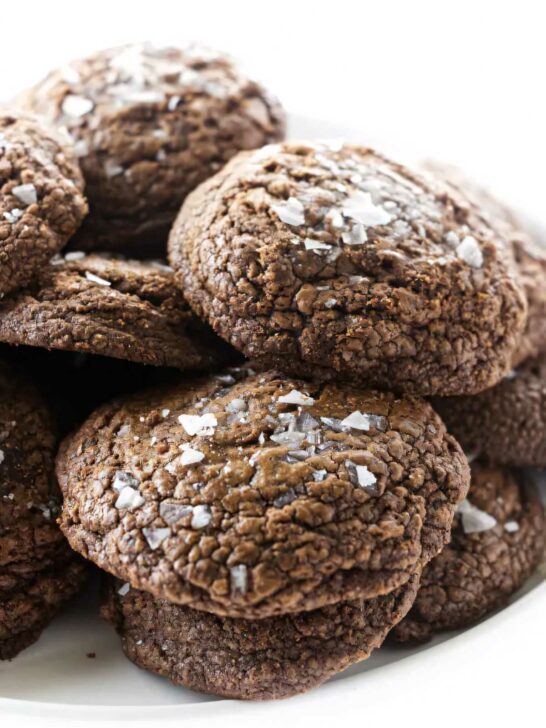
[
  {"x": 357, "y": 421},
  {"x": 469, "y": 251},
  {"x": 173, "y": 103},
  {"x": 124, "y": 589},
  {"x": 237, "y": 405},
  {"x": 122, "y": 479},
  {"x": 74, "y": 255},
  {"x": 201, "y": 516},
  {"x": 473, "y": 519},
  {"x": 13, "y": 215},
  {"x": 198, "y": 424},
  {"x": 155, "y": 536},
  {"x": 76, "y": 106},
  {"x": 290, "y": 439},
  {"x": 239, "y": 579},
  {"x": 361, "y": 208},
  {"x": 319, "y": 475},
  {"x": 96, "y": 279},
  {"x": 511, "y": 526},
  {"x": 361, "y": 476},
  {"x": 311, "y": 244},
  {"x": 291, "y": 212},
  {"x": 171, "y": 513},
  {"x": 190, "y": 456},
  {"x": 26, "y": 194},
  {"x": 333, "y": 423},
  {"x": 129, "y": 499},
  {"x": 295, "y": 397},
  {"x": 355, "y": 236}
]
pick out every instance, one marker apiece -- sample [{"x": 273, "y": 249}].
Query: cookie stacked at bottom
[
  {"x": 497, "y": 541},
  {"x": 38, "y": 570},
  {"x": 267, "y": 532},
  {"x": 498, "y": 537}
]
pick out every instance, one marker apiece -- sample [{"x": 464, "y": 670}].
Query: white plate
[{"x": 56, "y": 679}]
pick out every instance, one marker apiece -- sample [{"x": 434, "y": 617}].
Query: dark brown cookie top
[
  {"x": 115, "y": 307},
  {"x": 41, "y": 198},
  {"x": 505, "y": 424},
  {"x": 251, "y": 659},
  {"x": 340, "y": 263},
  {"x": 262, "y": 496},
  {"x": 150, "y": 124},
  {"x": 530, "y": 256},
  {"x": 29, "y": 497},
  {"x": 497, "y": 541}
]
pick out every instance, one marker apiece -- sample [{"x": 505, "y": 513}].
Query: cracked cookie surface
[
  {"x": 261, "y": 496},
  {"x": 25, "y": 612},
  {"x": 258, "y": 659},
  {"x": 505, "y": 424},
  {"x": 114, "y": 307},
  {"x": 341, "y": 263},
  {"x": 41, "y": 198},
  {"x": 497, "y": 541},
  {"x": 529, "y": 253},
  {"x": 38, "y": 570},
  {"x": 150, "y": 124}
]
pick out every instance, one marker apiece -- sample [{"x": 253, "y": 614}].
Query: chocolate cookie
[
  {"x": 24, "y": 613},
  {"x": 150, "y": 124},
  {"x": 41, "y": 198},
  {"x": 38, "y": 570},
  {"x": 530, "y": 256},
  {"x": 505, "y": 424},
  {"x": 340, "y": 263},
  {"x": 497, "y": 541},
  {"x": 262, "y": 496},
  {"x": 251, "y": 659},
  {"x": 119, "y": 308}
]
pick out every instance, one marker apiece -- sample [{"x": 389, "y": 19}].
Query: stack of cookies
[{"x": 265, "y": 518}]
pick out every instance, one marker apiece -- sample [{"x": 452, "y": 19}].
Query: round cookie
[
  {"x": 530, "y": 256},
  {"x": 505, "y": 424},
  {"x": 262, "y": 496},
  {"x": 257, "y": 659},
  {"x": 38, "y": 570},
  {"x": 41, "y": 198},
  {"x": 336, "y": 262},
  {"x": 114, "y": 307},
  {"x": 150, "y": 124},
  {"x": 497, "y": 541}
]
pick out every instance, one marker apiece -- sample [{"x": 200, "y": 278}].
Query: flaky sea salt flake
[
  {"x": 155, "y": 536},
  {"x": 76, "y": 106},
  {"x": 26, "y": 194},
  {"x": 296, "y": 397},
  {"x": 360, "y": 207},
  {"x": 96, "y": 279},
  {"x": 239, "y": 579},
  {"x": 198, "y": 424},
  {"x": 201, "y": 516},
  {"x": 129, "y": 499},
  {"x": 473, "y": 519},
  {"x": 291, "y": 212},
  {"x": 469, "y": 251}
]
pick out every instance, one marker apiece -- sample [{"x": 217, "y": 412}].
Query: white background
[{"x": 460, "y": 81}]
